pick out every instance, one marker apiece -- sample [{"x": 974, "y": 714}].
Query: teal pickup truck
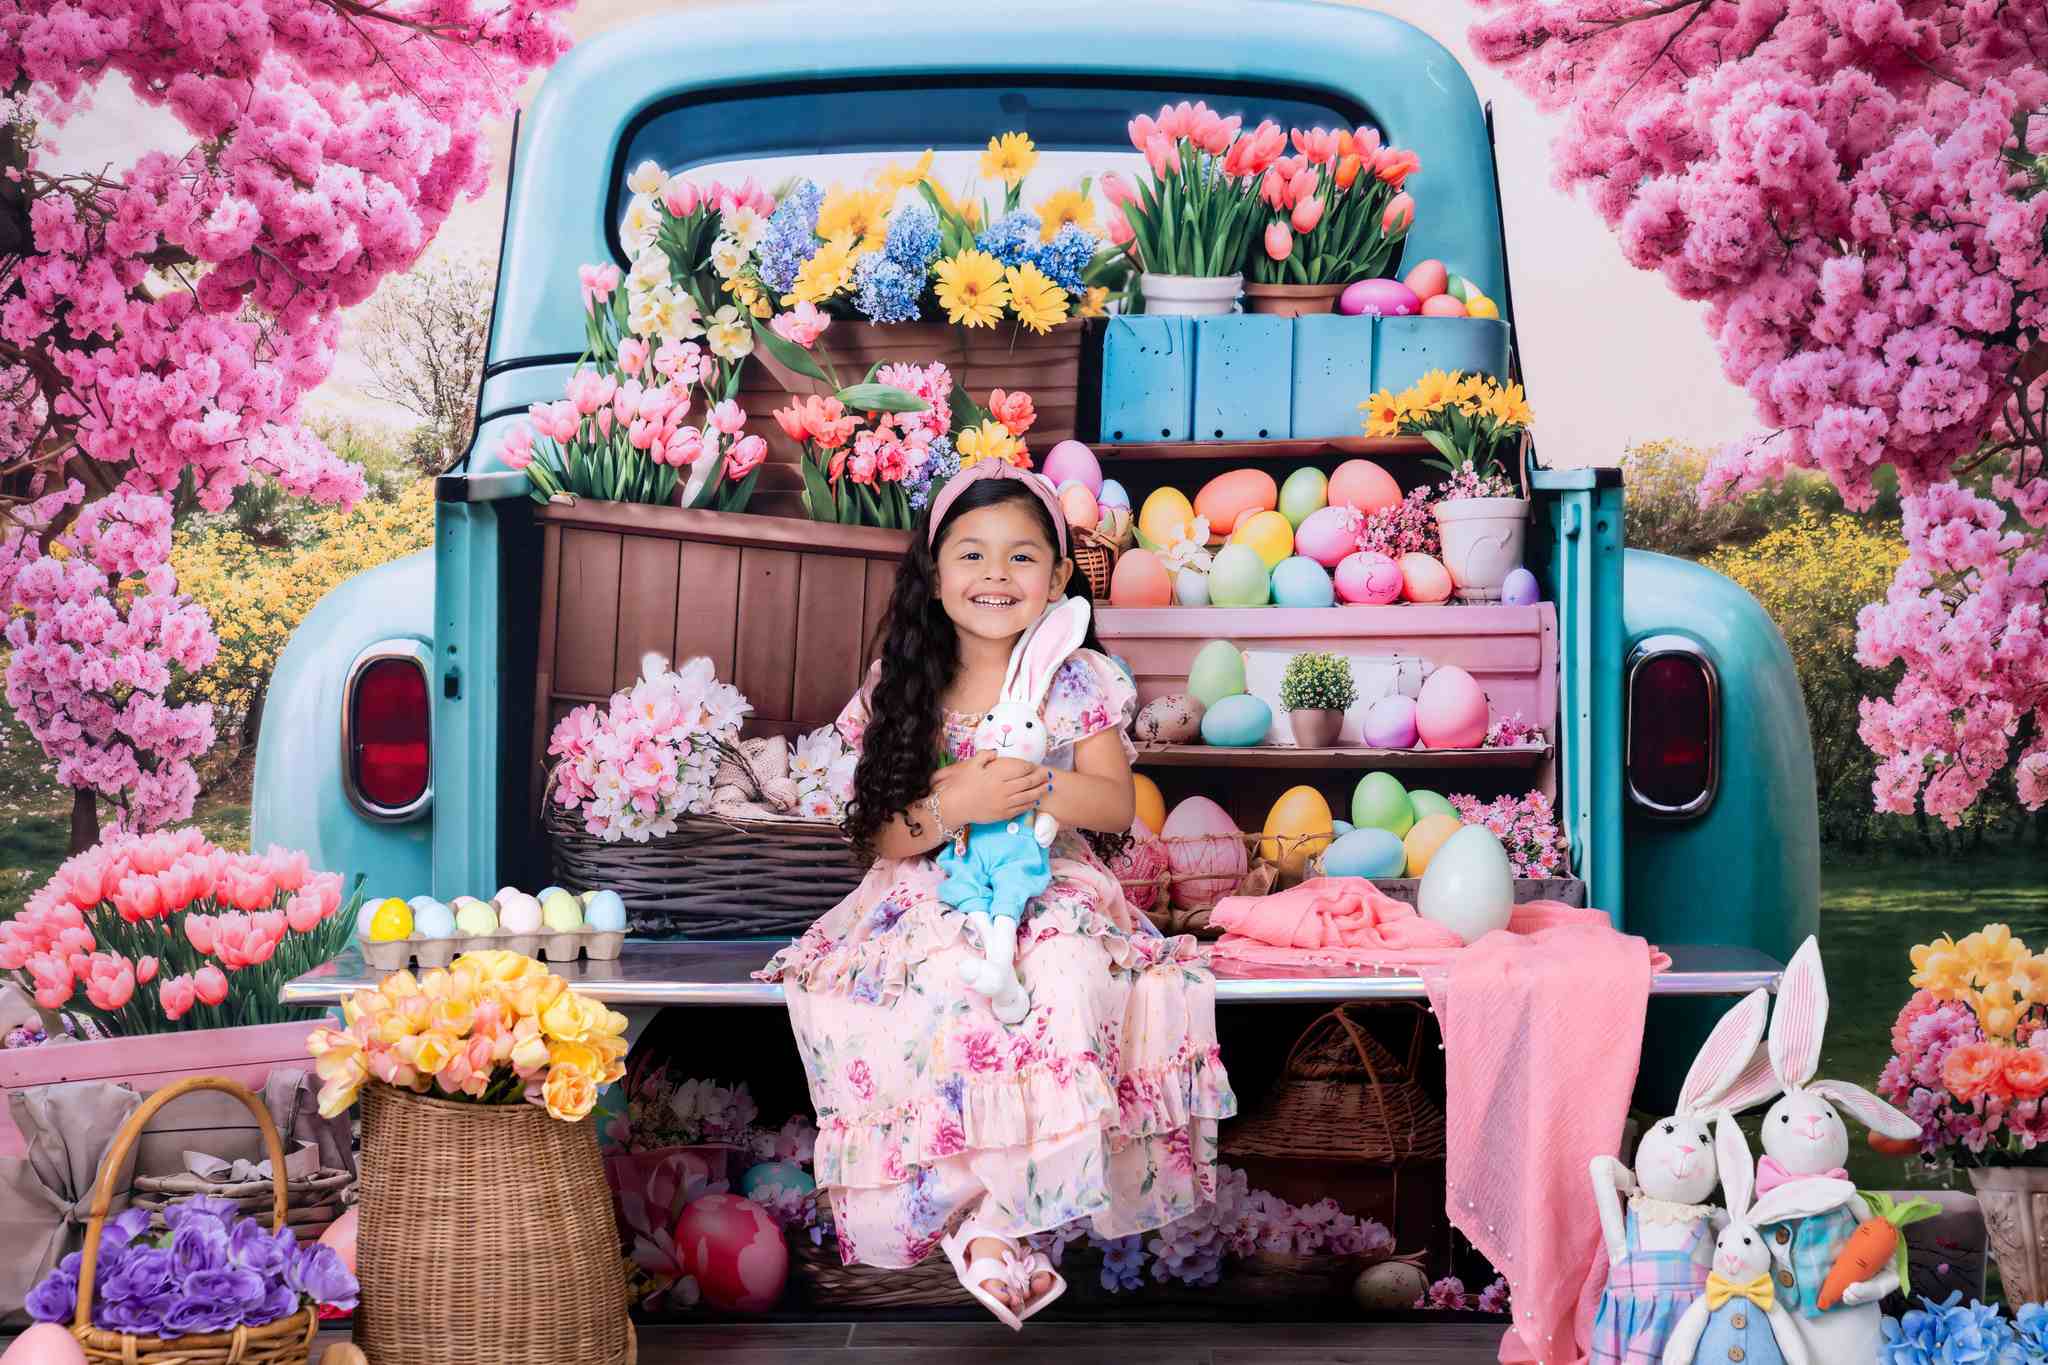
[{"x": 397, "y": 739}]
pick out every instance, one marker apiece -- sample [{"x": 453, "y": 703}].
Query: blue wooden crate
[
  {"x": 1244, "y": 363},
  {"x": 1408, "y": 348},
  {"x": 1148, "y": 378},
  {"x": 1333, "y": 373}
]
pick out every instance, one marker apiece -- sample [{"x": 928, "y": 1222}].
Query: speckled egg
[
  {"x": 1301, "y": 582},
  {"x": 1075, "y": 461},
  {"x": 606, "y": 912},
  {"x": 1424, "y": 578},
  {"x": 1369, "y": 579},
  {"x": 1229, "y": 498},
  {"x": 1451, "y": 712},
  {"x": 1140, "y": 580},
  {"x": 1236, "y": 722},
  {"x": 1327, "y": 535},
  {"x": 1176, "y": 719},
  {"x": 1519, "y": 589},
  {"x": 1364, "y": 485}
]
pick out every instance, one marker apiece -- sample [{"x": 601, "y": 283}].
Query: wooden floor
[{"x": 1068, "y": 1343}]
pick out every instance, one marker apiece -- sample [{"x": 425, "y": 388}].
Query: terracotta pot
[
  {"x": 2015, "y": 1204},
  {"x": 1315, "y": 729},
  {"x": 1291, "y": 300},
  {"x": 1482, "y": 543}
]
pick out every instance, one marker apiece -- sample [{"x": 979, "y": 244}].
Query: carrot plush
[{"x": 1874, "y": 1244}]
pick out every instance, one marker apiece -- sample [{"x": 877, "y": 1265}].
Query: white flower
[
  {"x": 650, "y": 271},
  {"x": 729, "y": 336},
  {"x": 650, "y": 312},
  {"x": 745, "y": 225},
  {"x": 727, "y": 256},
  {"x": 647, "y": 178},
  {"x": 637, "y": 228},
  {"x": 684, "y": 319}
]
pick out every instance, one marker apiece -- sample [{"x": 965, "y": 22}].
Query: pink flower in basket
[{"x": 650, "y": 757}]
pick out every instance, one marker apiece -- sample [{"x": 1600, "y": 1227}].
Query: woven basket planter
[
  {"x": 825, "y": 1282},
  {"x": 487, "y": 1237},
  {"x": 311, "y": 1203},
  {"x": 713, "y": 878}
]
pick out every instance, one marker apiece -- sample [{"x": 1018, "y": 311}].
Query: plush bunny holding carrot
[{"x": 1805, "y": 1143}]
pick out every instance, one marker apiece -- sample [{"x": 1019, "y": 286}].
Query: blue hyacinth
[
  {"x": 1011, "y": 238},
  {"x": 884, "y": 291},
  {"x": 1948, "y": 1333},
  {"x": 913, "y": 241},
  {"x": 1066, "y": 256},
  {"x": 941, "y": 464},
  {"x": 792, "y": 236}
]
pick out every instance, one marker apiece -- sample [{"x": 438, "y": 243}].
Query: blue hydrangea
[
  {"x": 913, "y": 241},
  {"x": 2033, "y": 1330},
  {"x": 792, "y": 236},
  {"x": 1066, "y": 256},
  {"x": 1011, "y": 238},
  {"x": 884, "y": 291},
  {"x": 940, "y": 465},
  {"x": 1945, "y": 1332}
]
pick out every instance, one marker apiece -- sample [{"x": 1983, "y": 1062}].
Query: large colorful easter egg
[
  {"x": 1390, "y": 723},
  {"x": 1151, "y": 802},
  {"x": 1369, "y": 579},
  {"x": 606, "y": 912},
  {"x": 1378, "y": 298},
  {"x": 1079, "y": 507},
  {"x": 44, "y": 1343},
  {"x": 1239, "y": 578},
  {"x": 735, "y": 1251},
  {"x": 1141, "y": 864},
  {"x": 1113, "y": 495},
  {"x": 1305, "y": 491},
  {"x": 1519, "y": 589},
  {"x": 1428, "y": 803},
  {"x": 1451, "y": 713},
  {"x": 768, "y": 1177},
  {"x": 1166, "y": 518},
  {"x": 1381, "y": 802},
  {"x": 1428, "y": 279},
  {"x": 1460, "y": 288},
  {"x": 1173, "y": 719},
  {"x": 1426, "y": 838},
  {"x": 1268, "y": 534},
  {"x": 1139, "y": 580},
  {"x": 1075, "y": 461},
  {"x": 1328, "y": 535},
  {"x": 1442, "y": 306},
  {"x": 1229, "y": 498},
  {"x": 1297, "y": 828},
  {"x": 1365, "y": 853},
  {"x": 1206, "y": 851},
  {"x": 1301, "y": 582},
  {"x": 1217, "y": 672},
  {"x": 1424, "y": 578},
  {"x": 1468, "y": 887},
  {"x": 1237, "y": 722},
  {"x": 1364, "y": 485},
  {"x": 1191, "y": 588}
]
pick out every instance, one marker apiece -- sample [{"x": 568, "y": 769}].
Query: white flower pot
[
  {"x": 1197, "y": 296},
  {"x": 1482, "y": 543}
]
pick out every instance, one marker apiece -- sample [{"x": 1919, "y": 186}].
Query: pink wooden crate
[{"x": 153, "y": 1061}]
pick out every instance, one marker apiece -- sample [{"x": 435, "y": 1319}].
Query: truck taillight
[
  {"x": 1674, "y": 727},
  {"x": 387, "y": 755}
]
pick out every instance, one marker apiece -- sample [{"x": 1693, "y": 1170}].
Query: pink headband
[{"x": 996, "y": 469}]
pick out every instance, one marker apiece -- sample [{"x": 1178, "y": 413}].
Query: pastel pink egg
[
  {"x": 44, "y": 1344},
  {"x": 1390, "y": 723},
  {"x": 1428, "y": 279},
  {"x": 1073, "y": 460},
  {"x": 1079, "y": 507},
  {"x": 1424, "y": 578},
  {"x": 1140, "y": 580},
  {"x": 1451, "y": 713},
  {"x": 1205, "y": 850},
  {"x": 341, "y": 1235},
  {"x": 1230, "y": 498},
  {"x": 1327, "y": 535},
  {"x": 1443, "y": 306},
  {"x": 1364, "y": 485},
  {"x": 1369, "y": 579},
  {"x": 1380, "y": 298}
]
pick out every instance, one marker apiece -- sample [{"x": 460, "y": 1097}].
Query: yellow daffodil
[
  {"x": 1038, "y": 303},
  {"x": 1993, "y": 952},
  {"x": 990, "y": 440},
  {"x": 891, "y": 179},
  {"x": 1009, "y": 158},
  {"x": 1384, "y": 412},
  {"x": 1435, "y": 389},
  {"x": 826, "y": 274},
  {"x": 1063, "y": 207},
  {"x": 861, "y": 215},
  {"x": 1094, "y": 304},
  {"x": 972, "y": 289},
  {"x": 1510, "y": 407}
]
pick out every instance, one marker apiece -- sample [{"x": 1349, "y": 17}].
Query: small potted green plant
[{"x": 1315, "y": 692}]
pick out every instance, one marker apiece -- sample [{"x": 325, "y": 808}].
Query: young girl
[{"x": 1104, "y": 1100}]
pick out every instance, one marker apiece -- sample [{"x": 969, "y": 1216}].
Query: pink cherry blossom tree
[
  {"x": 1855, "y": 190},
  {"x": 161, "y": 323}
]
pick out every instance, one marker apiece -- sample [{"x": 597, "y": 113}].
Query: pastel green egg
[
  {"x": 1218, "y": 672},
  {"x": 1427, "y": 802},
  {"x": 1305, "y": 491},
  {"x": 561, "y": 912},
  {"x": 1237, "y": 722},
  {"x": 1381, "y": 802},
  {"x": 1239, "y": 578},
  {"x": 1365, "y": 853}
]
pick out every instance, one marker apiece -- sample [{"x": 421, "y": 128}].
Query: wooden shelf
[
  {"x": 1275, "y": 756},
  {"x": 1378, "y": 446}
]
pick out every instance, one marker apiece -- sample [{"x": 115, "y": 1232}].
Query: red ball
[{"x": 734, "y": 1251}]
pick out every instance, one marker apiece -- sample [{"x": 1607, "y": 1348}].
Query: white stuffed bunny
[
  {"x": 1658, "y": 1250},
  {"x": 1005, "y": 864},
  {"x": 1741, "y": 1314},
  {"x": 1804, "y": 1141}
]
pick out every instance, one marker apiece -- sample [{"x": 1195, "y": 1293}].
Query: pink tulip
[
  {"x": 603, "y": 418},
  {"x": 1255, "y": 151},
  {"x": 1120, "y": 231},
  {"x": 1116, "y": 189},
  {"x": 109, "y": 981},
  {"x": 1279, "y": 241},
  {"x": 199, "y": 932},
  {"x": 211, "y": 985},
  {"x": 1273, "y": 189},
  {"x": 1395, "y": 164},
  {"x": 633, "y": 355},
  {"x": 1308, "y": 213},
  {"x": 302, "y": 912},
  {"x": 1215, "y": 134},
  {"x": 138, "y": 899},
  {"x": 680, "y": 197},
  {"x": 54, "y": 980},
  {"x": 729, "y": 417},
  {"x": 1399, "y": 214},
  {"x": 1141, "y": 130},
  {"x": 516, "y": 451},
  {"x": 145, "y": 971},
  {"x": 288, "y": 869},
  {"x": 1365, "y": 143},
  {"x": 590, "y": 391},
  {"x": 1319, "y": 145},
  {"x": 746, "y": 455},
  {"x": 1160, "y": 156},
  {"x": 598, "y": 281},
  {"x": 177, "y": 995}
]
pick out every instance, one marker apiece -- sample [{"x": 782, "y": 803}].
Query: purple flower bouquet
[{"x": 212, "y": 1270}]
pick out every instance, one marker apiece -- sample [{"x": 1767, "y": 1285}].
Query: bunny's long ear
[
  {"x": 1873, "y": 1112},
  {"x": 1801, "y": 1017},
  {"x": 1732, "y": 1071},
  {"x": 1738, "y": 1172},
  {"x": 1058, "y": 634}
]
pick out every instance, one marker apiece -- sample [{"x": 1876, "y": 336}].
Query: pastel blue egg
[
  {"x": 606, "y": 912},
  {"x": 1341, "y": 827},
  {"x": 1301, "y": 582},
  {"x": 433, "y": 920},
  {"x": 764, "y": 1178},
  {"x": 417, "y": 901},
  {"x": 1519, "y": 589},
  {"x": 1113, "y": 495},
  {"x": 1366, "y": 853},
  {"x": 1237, "y": 722},
  {"x": 542, "y": 894}
]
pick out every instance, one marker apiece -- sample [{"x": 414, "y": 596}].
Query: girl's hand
[{"x": 987, "y": 789}]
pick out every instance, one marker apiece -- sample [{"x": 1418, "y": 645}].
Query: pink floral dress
[{"x": 1103, "y": 1102}]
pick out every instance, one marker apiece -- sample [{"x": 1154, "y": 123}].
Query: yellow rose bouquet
[{"x": 492, "y": 1027}]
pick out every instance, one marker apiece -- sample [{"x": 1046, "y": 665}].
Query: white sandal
[{"x": 1012, "y": 1271}]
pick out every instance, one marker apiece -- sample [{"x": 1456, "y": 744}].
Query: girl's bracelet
[{"x": 947, "y": 833}]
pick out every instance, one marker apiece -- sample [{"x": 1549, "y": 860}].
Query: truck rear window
[{"x": 843, "y": 131}]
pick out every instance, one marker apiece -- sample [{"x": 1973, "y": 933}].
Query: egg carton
[{"x": 391, "y": 955}]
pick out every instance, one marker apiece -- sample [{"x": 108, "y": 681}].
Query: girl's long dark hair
[{"x": 920, "y": 653}]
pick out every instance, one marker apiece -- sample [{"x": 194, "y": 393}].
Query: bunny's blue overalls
[
  {"x": 1739, "y": 1331},
  {"x": 1003, "y": 869}
]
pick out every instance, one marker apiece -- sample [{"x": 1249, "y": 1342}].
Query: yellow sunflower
[
  {"x": 862, "y": 215},
  {"x": 972, "y": 289},
  {"x": 1063, "y": 207},
  {"x": 990, "y": 440},
  {"x": 1509, "y": 406},
  {"x": 1384, "y": 412},
  {"x": 1039, "y": 304},
  {"x": 1434, "y": 390},
  {"x": 1009, "y": 158},
  {"x": 890, "y": 179},
  {"x": 827, "y": 273}
]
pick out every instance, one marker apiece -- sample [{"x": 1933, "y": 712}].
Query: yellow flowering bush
[
  {"x": 1991, "y": 971},
  {"x": 493, "y": 1027}
]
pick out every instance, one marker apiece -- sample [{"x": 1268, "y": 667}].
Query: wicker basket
[
  {"x": 1262, "y": 876},
  {"x": 1095, "y": 557},
  {"x": 312, "y": 1202},
  {"x": 487, "y": 1237},
  {"x": 713, "y": 878},
  {"x": 288, "y": 1341},
  {"x": 825, "y": 1282},
  {"x": 1343, "y": 1097}
]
